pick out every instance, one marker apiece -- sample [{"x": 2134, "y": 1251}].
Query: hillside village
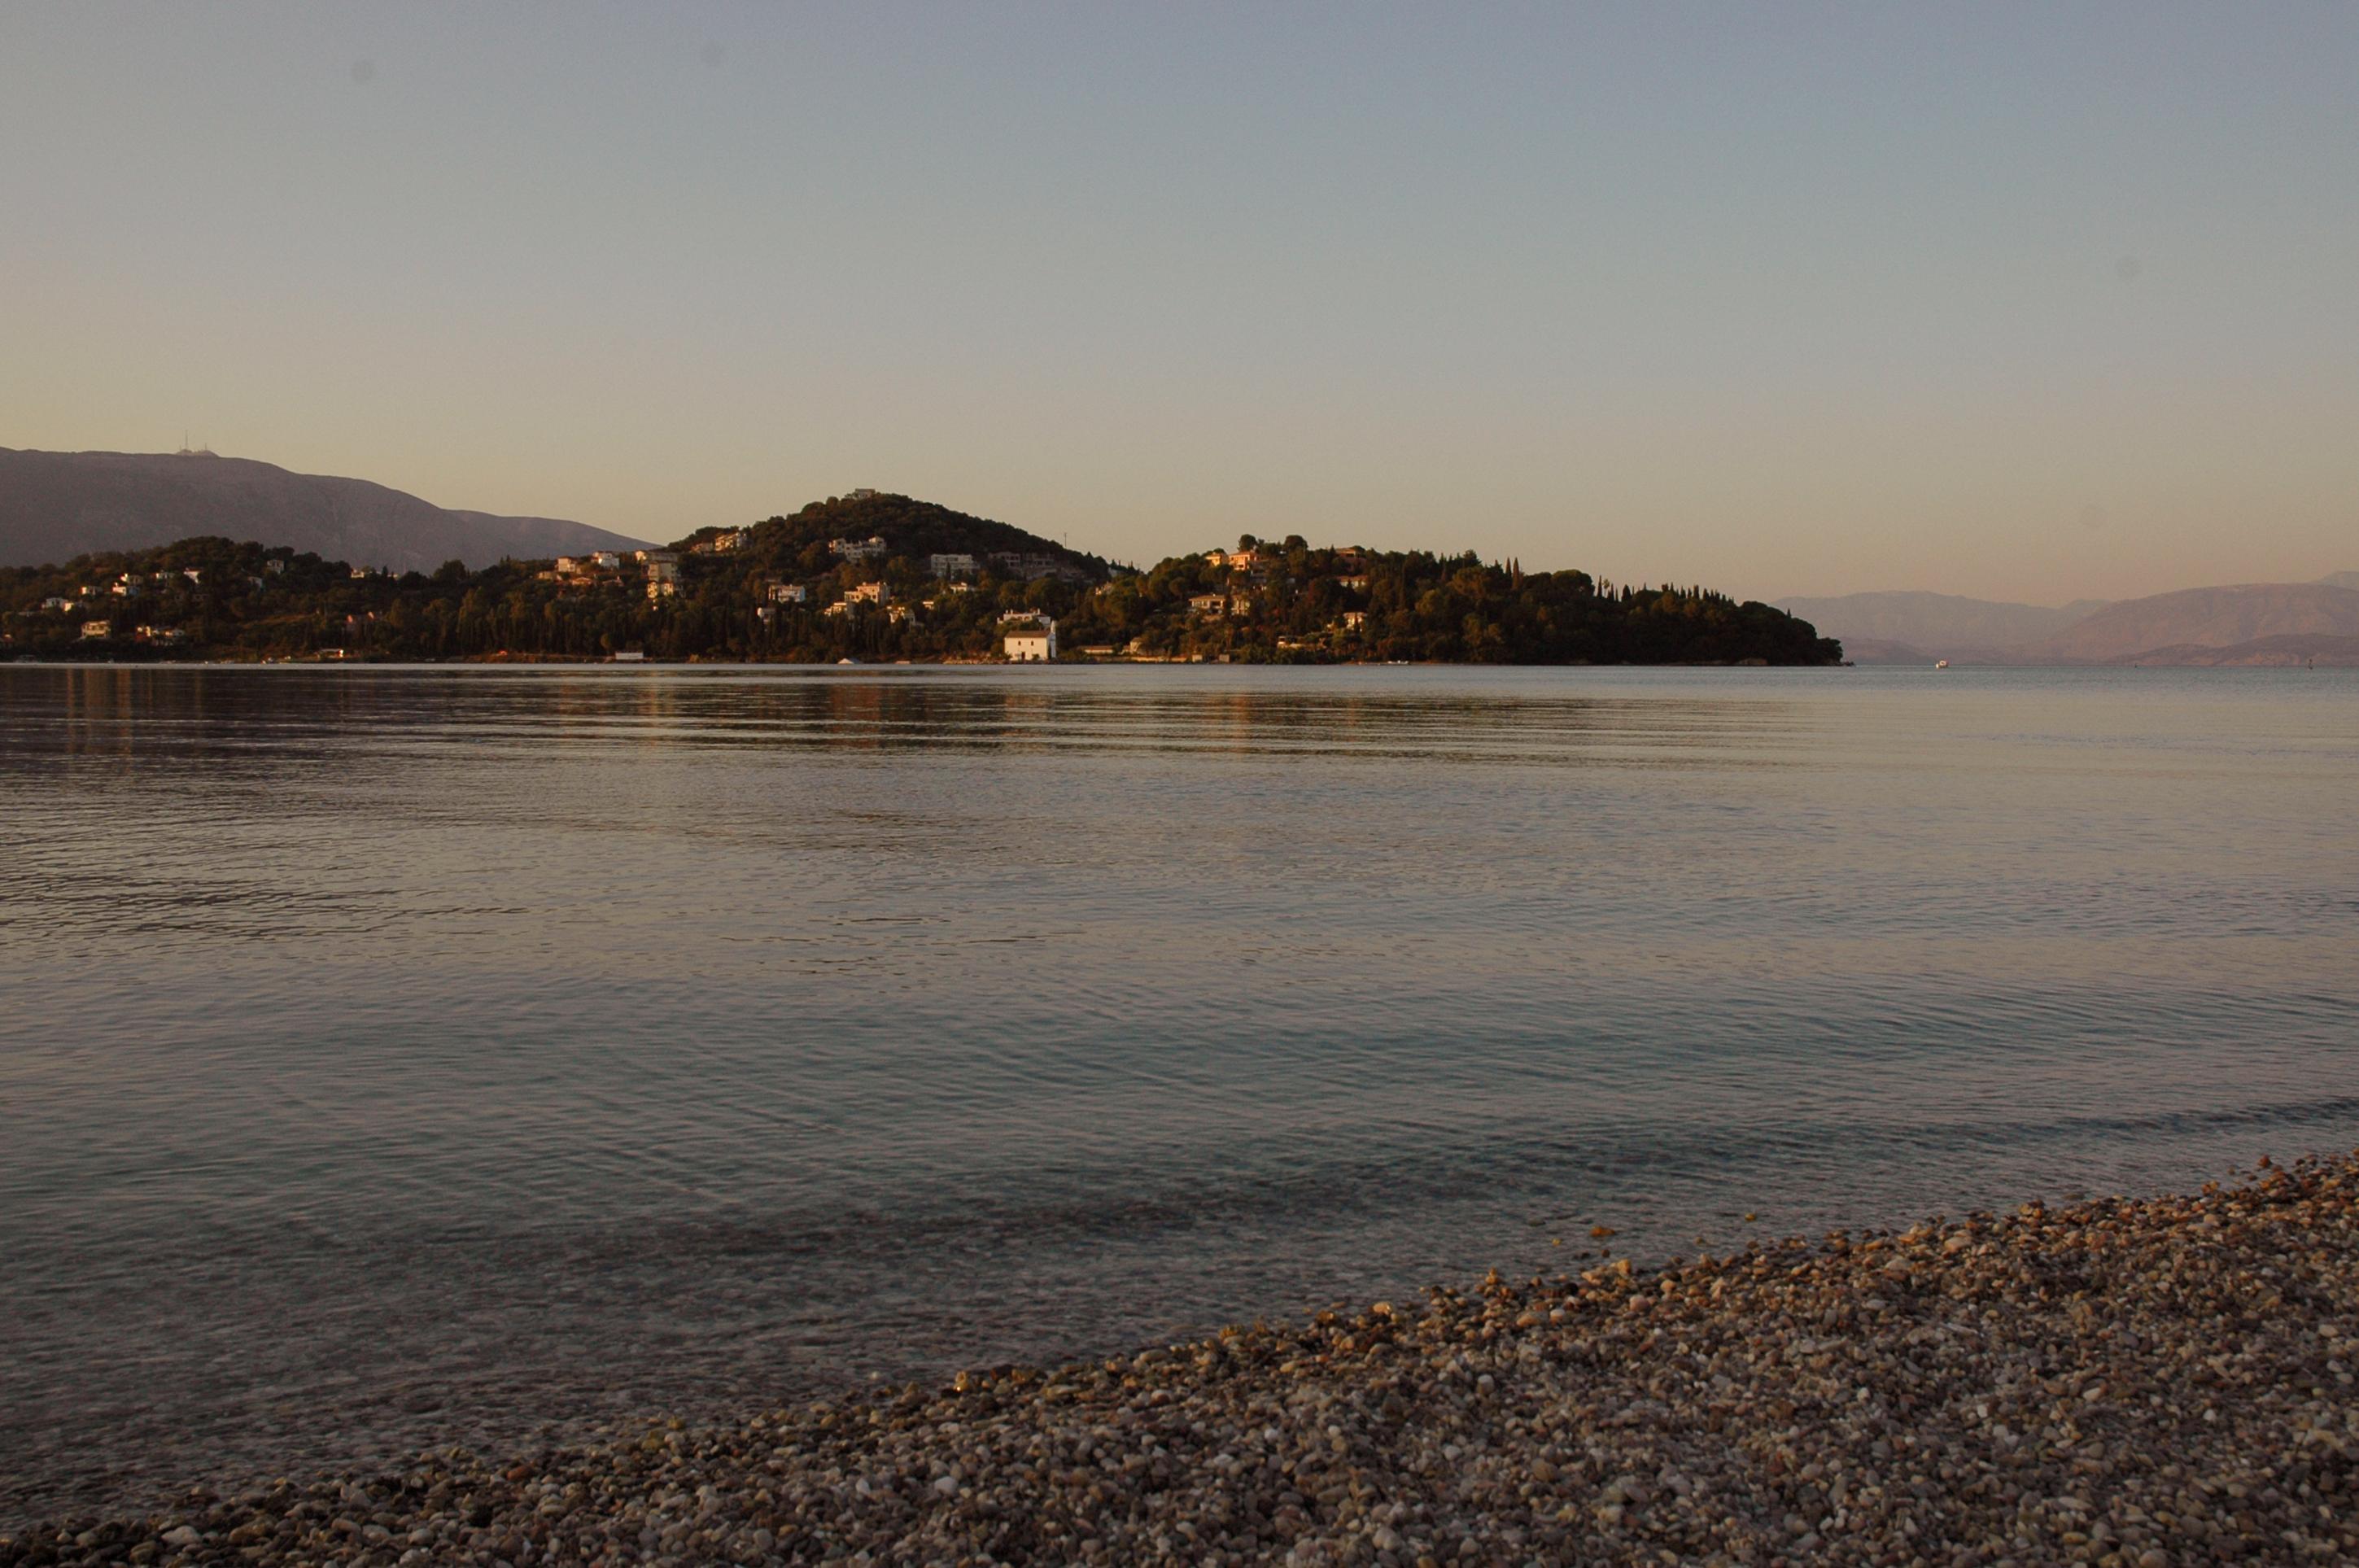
[{"x": 868, "y": 577}]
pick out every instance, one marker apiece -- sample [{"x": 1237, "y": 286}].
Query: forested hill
[
  {"x": 876, "y": 578},
  {"x": 912, "y": 531},
  {"x": 1292, "y": 602}
]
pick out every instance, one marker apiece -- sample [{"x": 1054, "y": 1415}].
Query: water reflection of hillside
[{"x": 216, "y": 716}]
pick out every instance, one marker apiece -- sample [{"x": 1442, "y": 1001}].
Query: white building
[
  {"x": 789, "y": 594},
  {"x": 1031, "y": 644},
  {"x": 950, "y": 565},
  {"x": 866, "y": 594},
  {"x": 868, "y": 549}
]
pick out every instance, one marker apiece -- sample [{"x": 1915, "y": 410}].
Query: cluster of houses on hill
[
  {"x": 954, "y": 565},
  {"x": 133, "y": 587},
  {"x": 1023, "y": 636},
  {"x": 1249, "y": 570},
  {"x": 658, "y": 568}
]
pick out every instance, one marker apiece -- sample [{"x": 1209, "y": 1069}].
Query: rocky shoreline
[{"x": 2146, "y": 1382}]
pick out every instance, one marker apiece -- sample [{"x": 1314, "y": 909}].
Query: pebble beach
[{"x": 2150, "y": 1382}]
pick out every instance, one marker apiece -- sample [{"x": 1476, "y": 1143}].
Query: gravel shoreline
[{"x": 2148, "y": 1382}]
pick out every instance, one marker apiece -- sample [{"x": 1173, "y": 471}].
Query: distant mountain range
[
  {"x": 54, "y": 506},
  {"x": 1943, "y": 621},
  {"x": 2248, "y": 623}
]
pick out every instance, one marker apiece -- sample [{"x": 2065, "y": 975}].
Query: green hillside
[{"x": 874, "y": 577}]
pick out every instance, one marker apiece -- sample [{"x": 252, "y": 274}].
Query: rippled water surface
[{"x": 400, "y": 1057}]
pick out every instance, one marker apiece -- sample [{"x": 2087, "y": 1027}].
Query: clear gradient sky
[{"x": 2023, "y": 300}]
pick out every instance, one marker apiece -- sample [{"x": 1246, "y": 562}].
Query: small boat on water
[{"x": 1940, "y": 664}]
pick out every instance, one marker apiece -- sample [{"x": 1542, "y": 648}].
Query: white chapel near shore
[{"x": 1032, "y": 644}]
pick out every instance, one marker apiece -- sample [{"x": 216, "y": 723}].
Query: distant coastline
[{"x": 878, "y": 579}]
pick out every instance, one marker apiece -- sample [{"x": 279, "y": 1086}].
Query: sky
[{"x": 2025, "y": 302}]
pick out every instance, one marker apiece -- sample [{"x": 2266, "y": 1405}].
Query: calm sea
[{"x": 402, "y": 1058}]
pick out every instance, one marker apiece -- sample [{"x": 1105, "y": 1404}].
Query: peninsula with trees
[{"x": 877, "y": 578}]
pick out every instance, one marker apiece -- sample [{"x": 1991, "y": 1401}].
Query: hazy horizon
[{"x": 2006, "y": 304}]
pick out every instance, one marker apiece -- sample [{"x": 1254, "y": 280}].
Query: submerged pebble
[{"x": 2152, "y": 1383}]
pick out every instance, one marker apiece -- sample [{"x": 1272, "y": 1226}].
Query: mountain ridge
[
  {"x": 2248, "y": 622},
  {"x": 2219, "y": 618},
  {"x": 56, "y": 505},
  {"x": 1952, "y": 624}
]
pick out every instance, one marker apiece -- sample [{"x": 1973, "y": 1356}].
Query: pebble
[{"x": 2148, "y": 1382}]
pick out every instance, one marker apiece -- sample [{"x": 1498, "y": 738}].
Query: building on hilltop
[
  {"x": 868, "y": 549},
  {"x": 1033, "y": 564}
]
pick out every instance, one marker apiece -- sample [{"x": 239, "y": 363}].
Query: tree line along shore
[
  {"x": 877, "y": 579},
  {"x": 2123, "y": 1382}
]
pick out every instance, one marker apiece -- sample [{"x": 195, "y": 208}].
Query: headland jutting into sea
[
  {"x": 871, "y": 578},
  {"x": 2146, "y": 1382}
]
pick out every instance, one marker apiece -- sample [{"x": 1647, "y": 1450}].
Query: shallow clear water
[{"x": 399, "y": 1057}]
